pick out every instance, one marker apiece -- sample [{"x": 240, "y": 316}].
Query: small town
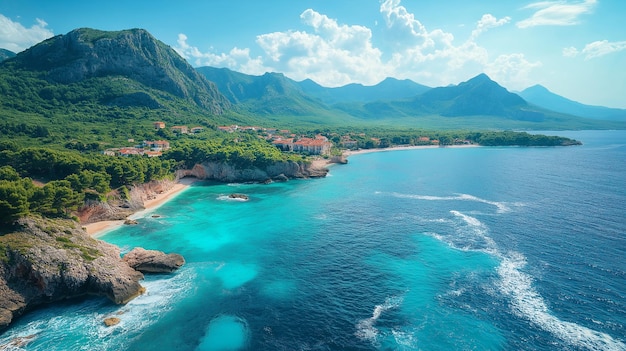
[{"x": 283, "y": 139}]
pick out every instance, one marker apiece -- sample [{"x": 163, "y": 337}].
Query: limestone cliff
[
  {"x": 224, "y": 172},
  {"x": 128, "y": 56},
  {"x": 46, "y": 260}
]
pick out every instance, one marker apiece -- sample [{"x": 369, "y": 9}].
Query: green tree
[{"x": 13, "y": 201}]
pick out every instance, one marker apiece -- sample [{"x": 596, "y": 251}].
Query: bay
[{"x": 499, "y": 248}]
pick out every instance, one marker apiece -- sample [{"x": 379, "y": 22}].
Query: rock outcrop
[
  {"x": 50, "y": 260},
  {"x": 133, "y": 55},
  {"x": 279, "y": 171},
  {"x": 151, "y": 261}
]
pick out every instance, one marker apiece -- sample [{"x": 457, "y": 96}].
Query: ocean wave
[
  {"x": 502, "y": 207},
  {"x": 81, "y": 326},
  {"x": 527, "y": 303},
  {"x": 366, "y": 329},
  {"x": 517, "y": 287}
]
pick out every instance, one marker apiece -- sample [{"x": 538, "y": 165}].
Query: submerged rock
[
  {"x": 152, "y": 261},
  {"x": 239, "y": 196},
  {"x": 111, "y": 321}
]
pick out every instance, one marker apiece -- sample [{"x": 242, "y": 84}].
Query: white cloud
[
  {"x": 237, "y": 59},
  {"x": 334, "y": 54},
  {"x": 602, "y": 47},
  {"x": 570, "y": 52},
  {"x": 596, "y": 49},
  {"x": 557, "y": 13},
  {"x": 15, "y": 37},
  {"x": 511, "y": 70},
  {"x": 488, "y": 21}
]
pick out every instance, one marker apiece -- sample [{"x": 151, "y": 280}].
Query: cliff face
[
  {"x": 134, "y": 55},
  {"x": 277, "y": 171},
  {"x": 51, "y": 260}
]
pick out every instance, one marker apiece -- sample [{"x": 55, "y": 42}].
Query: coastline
[
  {"x": 99, "y": 228},
  {"x": 96, "y": 229},
  {"x": 348, "y": 153}
]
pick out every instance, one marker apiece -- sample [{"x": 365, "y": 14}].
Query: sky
[{"x": 575, "y": 48}]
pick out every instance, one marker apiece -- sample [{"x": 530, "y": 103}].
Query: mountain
[
  {"x": 388, "y": 89},
  {"x": 5, "y": 54},
  {"x": 268, "y": 94},
  {"x": 134, "y": 56},
  {"x": 479, "y": 96},
  {"x": 543, "y": 97}
]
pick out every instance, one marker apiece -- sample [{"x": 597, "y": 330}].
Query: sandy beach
[
  {"x": 99, "y": 228},
  {"x": 397, "y": 148}
]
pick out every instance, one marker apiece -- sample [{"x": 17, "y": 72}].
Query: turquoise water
[{"x": 437, "y": 249}]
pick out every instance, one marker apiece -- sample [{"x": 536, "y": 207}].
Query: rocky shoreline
[{"x": 46, "y": 260}]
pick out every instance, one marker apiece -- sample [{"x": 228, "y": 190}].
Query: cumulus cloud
[
  {"x": 236, "y": 59},
  {"x": 488, "y": 21},
  {"x": 556, "y": 13},
  {"x": 333, "y": 54},
  {"x": 15, "y": 37},
  {"x": 596, "y": 49},
  {"x": 511, "y": 70}
]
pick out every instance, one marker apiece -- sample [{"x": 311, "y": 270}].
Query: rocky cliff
[
  {"x": 280, "y": 171},
  {"x": 47, "y": 260},
  {"x": 132, "y": 55}
]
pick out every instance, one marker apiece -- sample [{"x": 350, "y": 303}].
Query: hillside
[
  {"x": 540, "y": 96},
  {"x": 103, "y": 87},
  {"x": 107, "y": 87},
  {"x": 5, "y": 54},
  {"x": 273, "y": 96}
]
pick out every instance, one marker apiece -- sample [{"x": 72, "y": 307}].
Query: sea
[{"x": 484, "y": 248}]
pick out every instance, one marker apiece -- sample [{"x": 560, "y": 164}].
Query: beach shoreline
[
  {"x": 96, "y": 229},
  {"x": 348, "y": 153}
]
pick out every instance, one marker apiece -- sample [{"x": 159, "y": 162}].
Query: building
[
  {"x": 197, "y": 129},
  {"x": 157, "y": 145},
  {"x": 159, "y": 125},
  {"x": 318, "y": 146},
  {"x": 284, "y": 144},
  {"x": 130, "y": 151},
  {"x": 180, "y": 129}
]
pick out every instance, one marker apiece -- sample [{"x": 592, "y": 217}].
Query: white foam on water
[
  {"x": 527, "y": 303},
  {"x": 228, "y": 198},
  {"x": 366, "y": 329},
  {"x": 517, "y": 286},
  {"x": 84, "y": 322},
  {"x": 502, "y": 207}
]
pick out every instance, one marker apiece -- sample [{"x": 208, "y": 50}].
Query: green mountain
[
  {"x": 543, "y": 97},
  {"x": 5, "y": 54},
  {"x": 107, "y": 87},
  {"x": 479, "y": 96},
  {"x": 85, "y": 54},
  {"x": 273, "y": 96},
  {"x": 387, "y": 90},
  {"x": 103, "y": 87}
]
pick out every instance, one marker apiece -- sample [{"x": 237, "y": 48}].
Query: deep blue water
[{"x": 436, "y": 249}]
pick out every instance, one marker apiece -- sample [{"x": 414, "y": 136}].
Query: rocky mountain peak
[{"x": 134, "y": 54}]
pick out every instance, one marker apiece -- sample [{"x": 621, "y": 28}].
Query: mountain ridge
[
  {"x": 87, "y": 74},
  {"x": 135, "y": 54},
  {"x": 541, "y": 96}
]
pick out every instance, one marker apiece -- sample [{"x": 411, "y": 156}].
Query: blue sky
[{"x": 575, "y": 48}]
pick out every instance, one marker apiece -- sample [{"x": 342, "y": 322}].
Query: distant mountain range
[
  {"x": 5, "y": 54},
  {"x": 543, "y": 97},
  {"x": 132, "y": 70}
]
